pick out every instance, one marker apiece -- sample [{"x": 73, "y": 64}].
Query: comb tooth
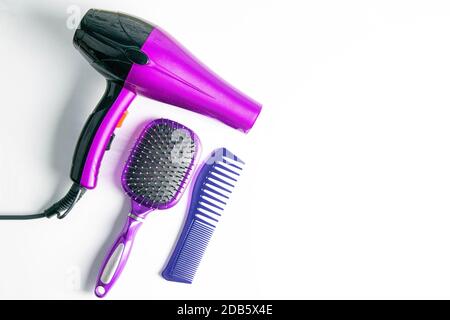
[
  {"x": 212, "y": 198},
  {"x": 200, "y": 206},
  {"x": 231, "y": 164},
  {"x": 186, "y": 278},
  {"x": 208, "y": 189},
  {"x": 199, "y": 235},
  {"x": 217, "y": 187},
  {"x": 195, "y": 249},
  {"x": 215, "y": 195},
  {"x": 205, "y": 222},
  {"x": 208, "y": 213},
  {"x": 186, "y": 267},
  {"x": 216, "y": 179},
  {"x": 207, "y": 202},
  {"x": 221, "y": 166},
  {"x": 223, "y": 174},
  {"x": 195, "y": 254},
  {"x": 207, "y": 216},
  {"x": 207, "y": 219},
  {"x": 204, "y": 230},
  {"x": 192, "y": 252},
  {"x": 202, "y": 237},
  {"x": 195, "y": 245},
  {"x": 211, "y": 183},
  {"x": 189, "y": 274}
]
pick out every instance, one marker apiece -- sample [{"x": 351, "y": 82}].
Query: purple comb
[
  {"x": 212, "y": 189},
  {"x": 155, "y": 177}
]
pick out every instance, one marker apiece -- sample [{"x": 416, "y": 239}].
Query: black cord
[
  {"x": 24, "y": 217},
  {"x": 60, "y": 209}
]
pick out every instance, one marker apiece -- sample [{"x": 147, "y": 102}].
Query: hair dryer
[{"x": 137, "y": 57}]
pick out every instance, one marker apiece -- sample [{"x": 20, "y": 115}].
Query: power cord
[{"x": 60, "y": 209}]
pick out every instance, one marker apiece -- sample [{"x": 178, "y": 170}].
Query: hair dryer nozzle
[{"x": 174, "y": 76}]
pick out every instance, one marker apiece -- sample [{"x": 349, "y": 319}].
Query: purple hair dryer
[{"x": 137, "y": 57}]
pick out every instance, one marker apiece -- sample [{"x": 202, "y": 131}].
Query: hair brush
[{"x": 154, "y": 177}]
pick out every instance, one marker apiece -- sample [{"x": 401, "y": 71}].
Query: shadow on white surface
[{"x": 77, "y": 105}]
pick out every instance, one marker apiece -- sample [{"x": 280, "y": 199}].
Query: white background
[{"x": 347, "y": 184}]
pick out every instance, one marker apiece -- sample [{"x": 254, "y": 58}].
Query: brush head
[{"x": 160, "y": 164}]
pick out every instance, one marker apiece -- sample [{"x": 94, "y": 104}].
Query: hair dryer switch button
[
  {"x": 122, "y": 119},
  {"x": 108, "y": 147}
]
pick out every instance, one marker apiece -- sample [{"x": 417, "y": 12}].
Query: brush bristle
[{"x": 159, "y": 163}]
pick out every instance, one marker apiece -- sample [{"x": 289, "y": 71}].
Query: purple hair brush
[{"x": 155, "y": 176}]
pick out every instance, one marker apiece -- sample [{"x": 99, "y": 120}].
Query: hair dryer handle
[{"x": 98, "y": 132}]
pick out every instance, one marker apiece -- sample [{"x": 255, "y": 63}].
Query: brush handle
[{"x": 117, "y": 257}]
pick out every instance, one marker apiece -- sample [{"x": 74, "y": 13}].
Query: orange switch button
[{"x": 122, "y": 119}]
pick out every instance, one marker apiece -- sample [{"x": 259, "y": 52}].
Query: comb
[{"x": 211, "y": 192}]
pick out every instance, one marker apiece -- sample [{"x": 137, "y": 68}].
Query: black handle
[{"x": 97, "y": 133}]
